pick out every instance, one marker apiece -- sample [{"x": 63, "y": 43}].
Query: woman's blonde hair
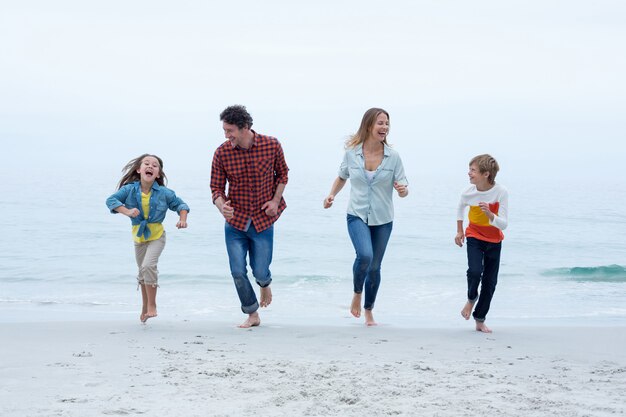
[{"x": 368, "y": 121}]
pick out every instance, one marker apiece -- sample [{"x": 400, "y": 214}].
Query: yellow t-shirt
[{"x": 156, "y": 229}]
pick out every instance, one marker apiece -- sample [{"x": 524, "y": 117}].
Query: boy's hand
[
  {"x": 485, "y": 208},
  {"x": 181, "y": 224},
  {"x": 459, "y": 239}
]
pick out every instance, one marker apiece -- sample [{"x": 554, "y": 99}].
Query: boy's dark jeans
[{"x": 483, "y": 261}]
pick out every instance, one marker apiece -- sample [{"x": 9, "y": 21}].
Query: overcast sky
[{"x": 539, "y": 84}]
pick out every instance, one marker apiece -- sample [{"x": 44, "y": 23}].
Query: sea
[{"x": 64, "y": 257}]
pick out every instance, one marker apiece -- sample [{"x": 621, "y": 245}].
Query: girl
[
  {"x": 375, "y": 170},
  {"x": 143, "y": 197}
]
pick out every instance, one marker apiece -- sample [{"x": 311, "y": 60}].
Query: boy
[{"x": 488, "y": 209}]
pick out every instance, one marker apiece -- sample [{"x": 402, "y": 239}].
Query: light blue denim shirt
[
  {"x": 161, "y": 199},
  {"x": 372, "y": 202}
]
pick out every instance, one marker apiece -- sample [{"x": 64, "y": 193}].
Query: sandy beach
[{"x": 202, "y": 368}]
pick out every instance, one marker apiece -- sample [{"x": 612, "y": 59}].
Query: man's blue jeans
[
  {"x": 483, "y": 261},
  {"x": 369, "y": 243},
  {"x": 259, "y": 247}
]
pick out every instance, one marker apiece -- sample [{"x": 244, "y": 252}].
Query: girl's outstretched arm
[{"x": 182, "y": 222}]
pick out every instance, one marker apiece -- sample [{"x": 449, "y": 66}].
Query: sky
[{"x": 538, "y": 84}]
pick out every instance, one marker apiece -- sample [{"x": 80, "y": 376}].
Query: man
[{"x": 255, "y": 169}]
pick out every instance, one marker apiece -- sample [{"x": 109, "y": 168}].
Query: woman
[{"x": 374, "y": 170}]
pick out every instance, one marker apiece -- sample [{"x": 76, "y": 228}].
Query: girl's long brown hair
[{"x": 131, "y": 175}]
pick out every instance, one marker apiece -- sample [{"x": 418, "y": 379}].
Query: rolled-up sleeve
[
  {"x": 398, "y": 173},
  {"x": 116, "y": 199},
  {"x": 176, "y": 203},
  {"x": 280, "y": 166},
  {"x": 218, "y": 178},
  {"x": 344, "y": 172}
]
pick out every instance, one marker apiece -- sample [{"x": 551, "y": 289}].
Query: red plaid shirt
[{"x": 252, "y": 176}]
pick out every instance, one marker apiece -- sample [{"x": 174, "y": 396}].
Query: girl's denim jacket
[{"x": 161, "y": 199}]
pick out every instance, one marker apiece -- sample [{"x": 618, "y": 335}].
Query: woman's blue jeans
[
  {"x": 483, "y": 261},
  {"x": 369, "y": 243},
  {"x": 259, "y": 247}
]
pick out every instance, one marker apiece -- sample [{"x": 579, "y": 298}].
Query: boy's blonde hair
[{"x": 487, "y": 163}]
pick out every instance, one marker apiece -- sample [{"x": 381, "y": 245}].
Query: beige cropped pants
[{"x": 147, "y": 255}]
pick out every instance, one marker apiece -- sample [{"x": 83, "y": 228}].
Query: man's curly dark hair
[{"x": 237, "y": 115}]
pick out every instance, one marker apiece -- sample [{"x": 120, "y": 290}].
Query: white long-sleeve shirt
[{"x": 480, "y": 227}]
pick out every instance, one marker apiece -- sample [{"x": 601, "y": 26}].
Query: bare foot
[
  {"x": 355, "y": 308},
  {"x": 151, "y": 312},
  {"x": 467, "y": 310},
  {"x": 480, "y": 327},
  {"x": 369, "y": 318},
  {"x": 144, "y": 318},
  {"x": 253, "y": 320},
  {"x": 266, "y": 296}
]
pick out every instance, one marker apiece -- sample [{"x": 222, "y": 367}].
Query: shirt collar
[
  {"x": 155, "y": 185},
  {"x": 254, "y": 135},
  {"x": 359, "y": 149}
]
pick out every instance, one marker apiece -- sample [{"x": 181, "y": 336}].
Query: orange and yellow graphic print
[{"x": 479, "y": 226}]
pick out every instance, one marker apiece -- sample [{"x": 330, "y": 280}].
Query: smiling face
[
  {"x": 380, "y": 127},
  {"x": 149, "y": 170},
  {"x": 479, "y": 179},
  {"x": 241, "y": 137}
]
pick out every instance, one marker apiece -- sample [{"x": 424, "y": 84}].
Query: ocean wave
[
  {"x": 47, "y": 302},
  {"x": 298, "y": 279},
  {"x": 225, "y": 279},
  {"x": 606, "y": 273},
  {"x": 79, "y": 303},
  {"x": 195, "y": 279}
]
